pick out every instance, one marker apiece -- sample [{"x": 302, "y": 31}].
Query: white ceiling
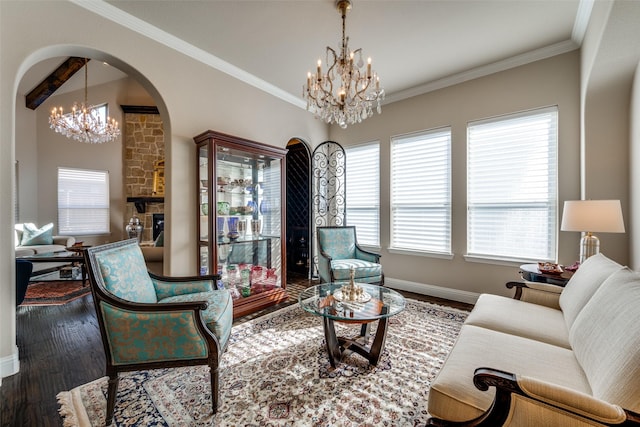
[{"x": 416, "y": 45}]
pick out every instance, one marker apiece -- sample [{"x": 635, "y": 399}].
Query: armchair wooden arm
[{"x": 528, "y": 401}]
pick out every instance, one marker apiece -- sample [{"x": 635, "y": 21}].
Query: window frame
[
  {"x": 395, "y": 246},
  {"x": 360, "y": 206},
  {"x": 100, "y": 205},
  {"x": 550, "y": 204}
]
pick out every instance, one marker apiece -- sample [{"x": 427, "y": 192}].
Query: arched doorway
[{"x": 299, "y": 233}]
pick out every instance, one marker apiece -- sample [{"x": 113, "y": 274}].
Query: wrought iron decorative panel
[{"x": 329, "y": 187}]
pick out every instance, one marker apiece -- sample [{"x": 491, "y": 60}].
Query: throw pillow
[
  {"x": 159, "y": 240},
  {"x": 32, "y": 235}
]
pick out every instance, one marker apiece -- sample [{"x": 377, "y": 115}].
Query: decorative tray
[
  {"x": 363, "y": 297},
  {"x": 549, "y": 268}
]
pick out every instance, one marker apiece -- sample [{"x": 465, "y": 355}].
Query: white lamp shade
[{"x": 600, "y": 216}]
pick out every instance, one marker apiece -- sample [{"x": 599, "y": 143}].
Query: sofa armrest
[
  {"x": 537, "y": 293},
  {"x": 529, "y": 401},
  {"x": 65, "y": 241},
  {"x": 542, "y": 403}
]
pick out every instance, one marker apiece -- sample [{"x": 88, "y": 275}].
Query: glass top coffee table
[{"x": 333, "y": 303}]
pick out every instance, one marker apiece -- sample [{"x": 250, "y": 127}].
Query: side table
[{"x": 539, "y": 288}]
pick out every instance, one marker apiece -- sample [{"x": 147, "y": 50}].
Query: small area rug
[
  {"x": 55, "y": 292},
  {"x": 276, "y": 373}
]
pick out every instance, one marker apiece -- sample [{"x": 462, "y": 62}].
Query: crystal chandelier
[
  {"x": 347, "y": 93},
  {"x": 84, "y": 122}
]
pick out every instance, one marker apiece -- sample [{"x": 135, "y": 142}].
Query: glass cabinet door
[
  {"x": 248, "y": 225},
  {"x": 204, "y": 265}
]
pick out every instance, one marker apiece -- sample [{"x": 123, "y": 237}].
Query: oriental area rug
[
  {"x": 56, "y": 292},
  {"x": 276, "y": 372}
]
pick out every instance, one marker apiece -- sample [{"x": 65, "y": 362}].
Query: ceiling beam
[{"x": 51, "y": 83}]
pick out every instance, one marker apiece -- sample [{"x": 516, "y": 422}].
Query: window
[
  {"x": 511, "y": 185},
  {"x": 363, "y": 192},
  {"x": 83, "y": 202},
  {"x": 421, "y": 192}
]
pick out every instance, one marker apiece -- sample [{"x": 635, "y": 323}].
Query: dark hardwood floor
[{"x": 60, "y": 348}]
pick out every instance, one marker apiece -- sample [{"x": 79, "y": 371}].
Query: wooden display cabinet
[{"x": 241, "y": 218}]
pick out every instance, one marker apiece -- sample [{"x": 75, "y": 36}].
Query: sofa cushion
[
  {"x": 454, "y": 397},
  {"x": 520, "y": 318},
  {"x": 125, "y": 274},
  {"x": 32, "y": 235},
  {"x": 584, "y": 283},
  {"x": 606, "y": 340}
]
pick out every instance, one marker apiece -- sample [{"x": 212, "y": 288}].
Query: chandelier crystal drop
[
  {"x": 349, "y": 91},
  {"x": 84, "y": 122}
]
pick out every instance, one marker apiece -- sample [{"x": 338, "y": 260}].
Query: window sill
[
  {"x": 439, "y": 255},
  {"x": 507, "y": 262}
]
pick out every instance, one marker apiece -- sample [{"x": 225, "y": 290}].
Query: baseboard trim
[
  {"x": 432, "y": 290},
  {"x": 10, "y": 365}
]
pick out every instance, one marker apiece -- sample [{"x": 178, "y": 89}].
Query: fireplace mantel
[{"x": 141, "y": 202}]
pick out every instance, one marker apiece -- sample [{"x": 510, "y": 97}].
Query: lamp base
[{"x": 589, "y": 246}]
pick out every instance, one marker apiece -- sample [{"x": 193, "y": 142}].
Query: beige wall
[
  {"x": 191, "y": 96},
  {"x": 553, "y": 81}
]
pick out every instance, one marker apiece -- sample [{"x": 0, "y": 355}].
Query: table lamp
[{"x": 589, "y": 216}]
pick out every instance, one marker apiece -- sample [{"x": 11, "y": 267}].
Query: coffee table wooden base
[{"x": 338, "y": 347}]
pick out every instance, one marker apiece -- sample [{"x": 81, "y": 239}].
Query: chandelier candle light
[
  {"x": 84, "y": 123},
  {"x": 347, "y": 93}
]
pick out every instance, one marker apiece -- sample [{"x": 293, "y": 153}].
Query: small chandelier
[
  {"x": 347, "y": 93},
  {"x": 84, "y": 122}
]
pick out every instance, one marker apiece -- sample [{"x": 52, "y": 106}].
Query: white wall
[
  {"x": 553, "y": 81},
  {"x": 191, "y": 96}
]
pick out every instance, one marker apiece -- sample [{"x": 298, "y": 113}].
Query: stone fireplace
[{"x": 143, "y": 134}]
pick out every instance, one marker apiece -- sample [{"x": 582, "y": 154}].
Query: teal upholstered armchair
[
  {"x": 149, "y": 321},
  {"x": 338, "y": 251}
]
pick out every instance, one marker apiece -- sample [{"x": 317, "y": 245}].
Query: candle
[
  {"x": 369, "y": 68},
  {"x": 319, "y": 69}
]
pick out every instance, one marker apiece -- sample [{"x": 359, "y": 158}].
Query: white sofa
[
  {"x": 59, "y": 244},
  {"x": 568, "y": 357}
]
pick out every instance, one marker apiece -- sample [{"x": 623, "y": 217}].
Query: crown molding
[
  {"x": 485, "y": 70},
  {"x": 129, "y": 21}
]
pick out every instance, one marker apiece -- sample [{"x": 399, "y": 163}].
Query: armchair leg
[
  {"x": 112, "y": 393},
  {"x": 213, "y": 370}
]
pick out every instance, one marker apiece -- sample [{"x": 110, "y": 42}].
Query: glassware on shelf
[
  {"x": 232, "y": 224},
  {"x": 256, "y": 228},
  {"x": 242, "y": 228},
  {"x": 220, "y": 228}
]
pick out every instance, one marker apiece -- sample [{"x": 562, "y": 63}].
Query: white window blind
[
  {"x": 363, "y": 192},
  {"x": 512, "y": 186},
  {"x": 83, "y": 202},
  {"x": 421, "y": 191}
]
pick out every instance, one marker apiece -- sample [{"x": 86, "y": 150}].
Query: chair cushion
[
  {"x": 606, "y": 340},
  {"x": 338, "y": 242},
  {"x": 583, "y": 284},
  {"x": 342, "y": 268},
  {"x": 32, "y": 235},
  {"x": 219, "y": 313},
  {"x": 125, "y": 275}
]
